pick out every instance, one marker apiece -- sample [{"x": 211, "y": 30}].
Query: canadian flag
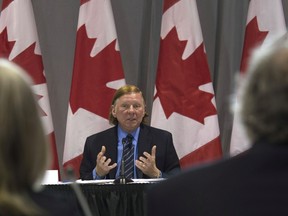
[
  {"x": 97, "y": 73},
  {"x": 184, "y": 101},
  {"x": 265, "y": 20},
  {"x": 19, "y": 43}
]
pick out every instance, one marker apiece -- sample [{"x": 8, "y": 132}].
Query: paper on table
[{"x": 111, "y": 181}]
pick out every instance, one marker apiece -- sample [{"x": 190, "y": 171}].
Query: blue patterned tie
[{"x": 128, "y": 155}]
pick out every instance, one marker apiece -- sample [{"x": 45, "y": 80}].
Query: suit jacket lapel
[
  {"x": 144, "y": 144},
  {"x": 111, "y": 149}
]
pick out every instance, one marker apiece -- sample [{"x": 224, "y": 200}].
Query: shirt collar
[{"x": 122, "y": 134}]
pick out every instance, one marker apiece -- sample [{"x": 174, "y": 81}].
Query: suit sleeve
[
  {"x": 88, "y": 162},
  {"x": 171, "y": 165}
]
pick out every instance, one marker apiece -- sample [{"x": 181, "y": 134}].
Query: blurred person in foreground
[
  {"x": 251, "y": 183},
  {"x": 24, "y": 151},
  {"x": 154, "y": 152}
]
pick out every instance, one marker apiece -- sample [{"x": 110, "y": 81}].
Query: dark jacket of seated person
[
  {"x": 255, "y": 181},
  {"x": 153, "y": 152},
  {"x": 166, "y": 158}
]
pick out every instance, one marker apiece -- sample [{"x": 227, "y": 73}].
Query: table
[{"x": 110, "y": 199}]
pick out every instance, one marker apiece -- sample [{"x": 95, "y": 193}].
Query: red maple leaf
[
  {"x": 31, "y": 62},
  {"x": 27, "y": 59},
  {"x": 91, "y": 74},
  {"x": 6, "y": 46},
  {"x": 253, "y": 38},
  {"x": 178, "y": 80}
]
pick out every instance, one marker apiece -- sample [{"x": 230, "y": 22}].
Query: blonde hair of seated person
[{"x": 24, "y": 150}]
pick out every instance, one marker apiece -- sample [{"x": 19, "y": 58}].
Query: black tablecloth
[{"x": 110, "y": 199}]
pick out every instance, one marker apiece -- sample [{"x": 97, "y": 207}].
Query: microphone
[
  {"x": 77, "y": 190},
  {"x": 122, "y": 179}
]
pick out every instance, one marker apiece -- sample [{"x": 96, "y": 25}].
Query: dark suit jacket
[
  {"x": 56, "y": 203},
  {"x": 253, "y": 183},
  {"x": 50, "y": 202},
  {"x": 166, "y": 158}
]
